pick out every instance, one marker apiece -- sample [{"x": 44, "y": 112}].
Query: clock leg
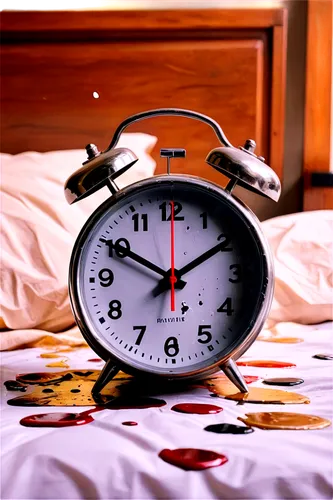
[
  {"x": 231, "y": 370},
  {"x": 109, "y": 371}
]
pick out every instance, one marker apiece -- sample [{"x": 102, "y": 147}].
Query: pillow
[
  {"x": 39, "y": 229},
  {"x": 302, "y": 246}
]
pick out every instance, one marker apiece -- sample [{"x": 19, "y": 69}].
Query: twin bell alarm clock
[{"x": 171, "y": 277}]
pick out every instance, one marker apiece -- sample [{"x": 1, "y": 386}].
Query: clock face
[{"x": 170, "y": 277}]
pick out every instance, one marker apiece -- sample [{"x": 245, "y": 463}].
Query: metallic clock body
[
  {"x": 242, "y": 167},
  {"x": 264, "y": 298}
]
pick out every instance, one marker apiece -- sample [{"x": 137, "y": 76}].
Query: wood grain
[
  {"x": 57, "y": 110},
  {"x": 134, "y": 22},
  {"x": 317, "y": 137},
  {"x": 228, "y": 64},
  {"x": 278, "y": 95}
]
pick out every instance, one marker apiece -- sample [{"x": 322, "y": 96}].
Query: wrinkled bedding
[{"x": 106, "y": 460}]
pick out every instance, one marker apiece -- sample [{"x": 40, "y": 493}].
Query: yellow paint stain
[
  {"x": 50, "y": 355},
  {"x": 67, "y": 388},
  {"x": 270, "y": 396},
  {"x": 58, "y": 364},
  {"x": 220, "y": 385},
  {"x": 68, "y": 349},
  {"x": 284, "y": 421},
  {"x": 282, "y": 340}
]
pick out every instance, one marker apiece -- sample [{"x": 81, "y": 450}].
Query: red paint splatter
[
  {"x": 129, "y": 423},
  {"x": 266, "y": 364},
  {"x": 198, "y": 408},
  {"x": 94, "y": 360},
  {"x": 59, "y": 419},
  {"x": 192, "y": 458},
  {"x": 250, "y": 378}
]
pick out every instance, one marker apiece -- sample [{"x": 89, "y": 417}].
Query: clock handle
[
  {"x": 232, "y": 372},
  {"x": 109, "y": 371},
  {"x": 186, "y": 113},
  {"x": 241, "y": 165}
]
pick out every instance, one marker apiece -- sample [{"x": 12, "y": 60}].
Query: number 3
[{"x": 236, "y": 272}]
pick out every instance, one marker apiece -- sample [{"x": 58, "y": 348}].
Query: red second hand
[{"x": 173, "y": 278}]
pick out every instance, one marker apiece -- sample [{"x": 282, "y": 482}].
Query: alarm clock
[{"x": 171, "y": 277}]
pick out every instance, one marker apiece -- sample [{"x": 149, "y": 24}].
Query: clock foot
[
  {"x": 231, "y": 370},
  {"x": 109, "y": 371}
]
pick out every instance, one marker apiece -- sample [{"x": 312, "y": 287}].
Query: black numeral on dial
[
  {"x": 106, "y": 277},
  {"x": 171, "y": 347},
  {"x": 120, "y": 247},
  {"x": 225, "y": 242},
  {"x": 236, "y": 273},
  {"x": 226, "y": 307},
  {"x": 204, "y": 220},
  {"x": 176, "y": 210},
  {"x": 115, "y": 311},
  {"x": 204, "y": 337},
  {"x": 141, "y": 334},
  {"x": 136, "y": 220}
]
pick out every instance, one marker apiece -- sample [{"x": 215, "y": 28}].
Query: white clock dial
[{"x": 132, "y": 251}]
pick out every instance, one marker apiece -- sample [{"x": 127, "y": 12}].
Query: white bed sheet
[{"x": 106, "y": 460}]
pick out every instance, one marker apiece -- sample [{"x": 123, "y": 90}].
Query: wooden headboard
[{"x": 69, "y": 78}]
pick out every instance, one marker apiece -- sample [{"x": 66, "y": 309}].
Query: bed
[
  {"x": 47, "y": 121},
  {"x": 105, "y": 459}
]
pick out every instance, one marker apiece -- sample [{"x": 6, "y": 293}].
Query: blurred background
[{"x": 72, "y": 70}]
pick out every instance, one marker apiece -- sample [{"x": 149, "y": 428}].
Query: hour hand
[{"x": 122, "y": 249}]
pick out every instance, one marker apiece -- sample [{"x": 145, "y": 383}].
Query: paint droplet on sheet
[
  {"x": 59, "y": 419},
  {"x": 197, "y": 408},
  {"x": 284, "y": 421},
  {"x": 323, "y": 356},
  {"x": 222, "y": 386},
  {"x": 283, "y": 381},
  {"x": 13, "y": 385},
  {"x": 129, "y": 423},
  {"x": 94, "y": 360},
  {"x": 250, "y": 378},
  {"x": 95, "y": 95},
  {"x": 228, "y": 429},
  {"x": 50, "y": 355},
  {"x": 271, "y": 396},
  {"x": 58, "y": 364},
  {"x": 281, "y": 340},
  {"x": 66, "y": 388},
  {"x": 192, "y": 458},
  {"x": 266, "y": 364}
]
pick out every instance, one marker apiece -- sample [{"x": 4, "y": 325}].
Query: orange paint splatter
[{"x": 266, "y": 364}]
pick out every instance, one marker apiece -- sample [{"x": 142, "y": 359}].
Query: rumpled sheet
[
  {"x": 302, "y": 246},
  {"x": 106, "y": 460}
]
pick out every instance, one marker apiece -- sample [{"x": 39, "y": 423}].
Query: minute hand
[{"x": 205, "y": 256}]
